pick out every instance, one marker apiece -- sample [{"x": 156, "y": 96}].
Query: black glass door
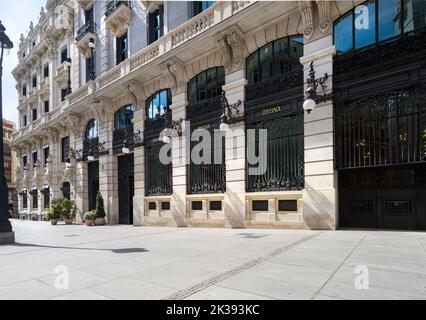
[
  {"x": 93, "y": 183},
  {"x": 125, "y": 189}
]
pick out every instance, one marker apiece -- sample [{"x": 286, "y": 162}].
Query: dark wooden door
[
  {"x": 125, "y": 189},
  {"x": 93, "y": 183}
]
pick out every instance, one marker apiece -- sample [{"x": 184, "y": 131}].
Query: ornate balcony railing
[
  {"x": 92, "y": 147},
  {"x": 153, "y": 127},
  {"x": 278, "y": 84},
  {"x": 112, "y": 6},
  {"x": 126, "y": 138},
  {"x": 205, "y": 109},
  {"x": 396, "y": 48},
  {"x": 89, "y": 27}
]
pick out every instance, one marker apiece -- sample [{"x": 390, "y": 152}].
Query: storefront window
[
  {"x": 124, "y": 117},
  {"x": 274, "y": 59},
  {"x": 377, "y": 20},
  {"x": 207, "y": 84}
]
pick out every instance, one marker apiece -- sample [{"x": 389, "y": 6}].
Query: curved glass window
[
  {"x": 274, "y": 59},
  {"x": 207, "y": 84},
  {"x": 123, "y": 118},
  {"x": 158, "y": 104},
  {"x": 377, "y": 20},
  {"x": 92, "y": 129}
]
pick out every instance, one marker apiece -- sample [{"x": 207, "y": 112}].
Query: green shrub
[
  {"x": 91, "y": 215},
  {"x": 69, "y": 209},
  {"x": 100, "y": 211},
  {"x": 54, "y": 213}
]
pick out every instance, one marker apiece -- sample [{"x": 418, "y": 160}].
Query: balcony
[
  {"x": 62, "y": 74},
  {"x": 84, "y": 34},
  {"x": 44, "y": 88},
  {"x": 117, "y": 17},
  {"x": 33, "y": 95},
  {"x": 85, "y": 4}
]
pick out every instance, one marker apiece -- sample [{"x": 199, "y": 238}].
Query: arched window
[
  {"x": 207, "y": 84},
  {"x": 275, "y": 58},
  {"x": 124, "y": 117},
  {"x": 91, "y": 129},
  {"x": 158, "y": 104},
  {"x": 377, "y": 20}
]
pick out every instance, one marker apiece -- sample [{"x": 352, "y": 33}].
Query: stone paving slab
[{"x": 125, "y": 262}]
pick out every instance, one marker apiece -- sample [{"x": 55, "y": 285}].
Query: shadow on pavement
[{"x": 124, "y": 250}]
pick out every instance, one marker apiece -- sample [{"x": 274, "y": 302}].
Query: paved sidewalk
[{"x": 124, "y": 262}]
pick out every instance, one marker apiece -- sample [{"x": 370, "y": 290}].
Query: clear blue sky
[{"x": 15, "y": 16}]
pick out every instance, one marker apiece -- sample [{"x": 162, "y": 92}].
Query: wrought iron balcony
[
  {"x": 84, "y": 34},
  {"x": 92, "y": 147},
  {"x": 89, "y": 27},
  {"x": 118, "y": 14},
  {"x": 126, "y": 138},
  {"x": 112, "y": 6}
]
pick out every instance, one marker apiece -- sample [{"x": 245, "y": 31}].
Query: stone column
[
  {"x": 139, "y": 164},
  {"x": 81, "y": 184},
  {"x": 104, "y": 45},
  {"x": 235, "y": 147},
  {"x": 108, "y": 182},
  {"x": 320, "y": 193},
  {"x": 179, "y": 156}
]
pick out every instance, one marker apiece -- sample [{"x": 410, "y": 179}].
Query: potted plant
[
  {"x": 89, "y": 218},
  {"x": 69, "y": 210},
  {"x": 100, "y": 211},
  {"x": 54, "y": 213}
]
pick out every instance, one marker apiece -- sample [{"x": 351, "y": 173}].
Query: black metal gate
[
  {"x": 93, "y": 183},
  {"x": 125, "y": 188},
  {"x": 388, "y": 198}
]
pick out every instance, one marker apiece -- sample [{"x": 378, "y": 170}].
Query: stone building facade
[
  {"x": 10, "y": 165},
  {"x": 95, "y": 122}
]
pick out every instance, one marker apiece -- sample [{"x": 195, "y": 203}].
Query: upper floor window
[
  {"x": 122, "y": 48},
  {"x": 200, "y": 6},
  {"x": 158, "y": 104},
  {"x": 275, "y": 58},
  {"x": 63, "y": 94},
  {"x": 45, "y": 154},
  {"x": 25, "y": 120},
  {"x": 34, "y": 81},
  {"x": 155, "y": 24},
  {"x": 34, "y": 157},
  {"x": 46, "y": 71},
  {"x": 64, "y": 54},
  {"x": 46, "y": 106},
  {"x": 24, "y": 90},
  {"x": 91, "y": 129},
  {"x": 24, "y": 161},
  {"x": 207, "y": 84},
  {"x": 88, "y": 15},
  {"x": 124, "y": 118},
  {"x": 34, "y": 114},
  {"x": 377, "y": 20},
  {"x": 65, "y": 144}
]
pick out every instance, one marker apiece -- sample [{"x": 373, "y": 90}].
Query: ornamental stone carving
[
  {"x": 175, "y": 72},
  {"x": 306, "y": 11},
  {"x": 231, "y": 46},
  {"x": 324, "y": 15}
]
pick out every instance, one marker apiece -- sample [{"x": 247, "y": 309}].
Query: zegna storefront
[{"x": 380, "y": 117}]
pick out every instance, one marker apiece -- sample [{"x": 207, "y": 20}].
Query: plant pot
[
  {"x": 68, "y": 221},
  {"x": 53, "y": 222},
  {"x": 90, "y": 223},
  {"x": 100, "y": 221}
]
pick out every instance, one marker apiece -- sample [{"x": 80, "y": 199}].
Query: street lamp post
[
  {"x": 6, "y": 233},
  {"x": 92, "y": 74},
  {"x": 68, "y": 64}
]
